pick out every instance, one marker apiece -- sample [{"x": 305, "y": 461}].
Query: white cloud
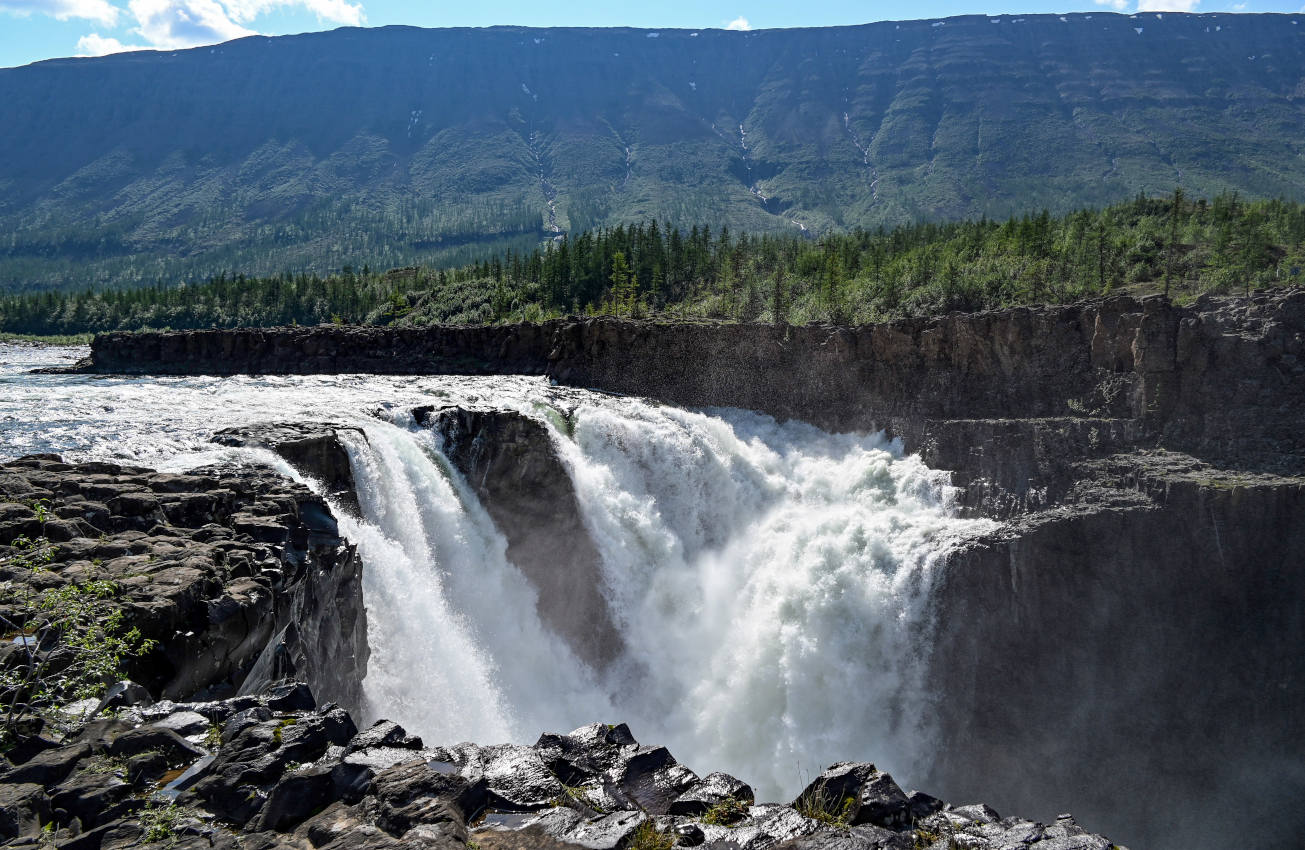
[
  {"x": 97, "y": 45},
  {"x": 740, "y": 23},
  {"x": 1117, "y": 5},
  {"x": 91, "y": 10},
  {"x": 1167, "y": 5},
  {"x": 174, "y": 24},
  {"x": 1239, "y": 7},
  {"x": 336, "y": 11},
  {"x": 171, "y": 24}
]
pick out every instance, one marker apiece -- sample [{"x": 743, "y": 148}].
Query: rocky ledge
[
  {"x": 235, "y": 576},
  {"x": 278, "y": 771}
]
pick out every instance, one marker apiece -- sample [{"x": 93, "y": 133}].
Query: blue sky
[{"x": 41, "y": 29}]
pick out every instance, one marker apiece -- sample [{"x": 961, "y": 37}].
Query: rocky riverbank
[{"x": 276, "y": 770}]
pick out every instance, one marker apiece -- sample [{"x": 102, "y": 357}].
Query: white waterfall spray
[
  {"x": 458, "y": 652},
  {"x": 771, "y": 583}
]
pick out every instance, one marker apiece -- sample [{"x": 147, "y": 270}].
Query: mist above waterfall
[{"x": 770, "y": 583}]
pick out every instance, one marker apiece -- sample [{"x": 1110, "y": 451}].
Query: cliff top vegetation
[{"x": 1182, "y": 246}]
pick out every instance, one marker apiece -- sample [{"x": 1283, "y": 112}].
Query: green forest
[{"x": 1184, "y": 247}]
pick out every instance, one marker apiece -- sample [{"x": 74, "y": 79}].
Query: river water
[{"x": 771, "y": 581}]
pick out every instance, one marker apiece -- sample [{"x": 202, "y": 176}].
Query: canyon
[{"x": 1121, "y": 636}]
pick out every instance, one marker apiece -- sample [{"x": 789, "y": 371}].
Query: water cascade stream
[{"x": 770, "y": 582}]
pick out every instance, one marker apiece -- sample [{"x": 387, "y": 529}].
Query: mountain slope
[{"x": 397, "y": 144}]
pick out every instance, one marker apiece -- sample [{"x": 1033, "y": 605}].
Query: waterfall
[
  {"x": 771, "y": 583},
  {"x": 458, "y": 652}
]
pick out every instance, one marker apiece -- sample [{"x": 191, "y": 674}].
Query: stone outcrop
[
  {"x": 510, "y": 461},
  {"x": 277, "y": 770},
  {"x": 237, "y": 574},
  {"x": 314, "y": 449}
]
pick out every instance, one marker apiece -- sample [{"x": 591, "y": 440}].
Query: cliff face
[
  {"x": 1222, "y": 378},
  {"x": 1141, "y": 643}
]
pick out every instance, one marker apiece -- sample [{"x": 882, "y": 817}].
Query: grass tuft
[{"x": 820, "y": 805}]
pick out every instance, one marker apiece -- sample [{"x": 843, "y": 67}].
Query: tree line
[{"x": 1181, "y": 246}]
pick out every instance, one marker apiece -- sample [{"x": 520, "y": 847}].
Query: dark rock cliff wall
[
  {"x": 1141, "y": 647},
  {"x": 1223, "y": 377},
  {"x": 509, "y": 460}
]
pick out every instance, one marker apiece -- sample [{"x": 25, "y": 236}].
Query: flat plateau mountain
[{"x": 395, "y": 145}]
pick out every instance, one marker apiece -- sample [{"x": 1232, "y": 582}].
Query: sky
[{"x": 31, "y": 30}]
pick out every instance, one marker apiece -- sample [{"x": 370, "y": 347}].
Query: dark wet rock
[
  {"x": 413, "y": 794},
  {"x": 384, "y": 733},
  {"x": 652, "y": 778},
  {"x": 765, "y": 825},
  {"x": 312, "y": 448},
  {"x": 510, "y": 462},
  {"x": 714, "y": 789},
  {"x": 27, "y": 746},
  {"x": 351, "y": 782},
  {"x": 290, "y": 696},
  {"x": 516, "y": 778},
  {"x": 379, "y": 758},
  {"x": 124, "y": 694},
  {"x": 47, "y": 768},
  {"x": 854, "y": 838},
  {"x": 184, "y": 723},
  {"x": 24, "y": 808},
  {"x": 921, "y": 805},
  {"x": 154, "y": 738},
  {"x": 297, "y": 796},
  {"x": 91, "y": 798},
  {"x": 243, "y": 720},
  {"x": 606, "y": 832},
  {"x": 146, "y": 767},
  {"x": 689, "y": 835},
  {"x": 865, "y": 794}
]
